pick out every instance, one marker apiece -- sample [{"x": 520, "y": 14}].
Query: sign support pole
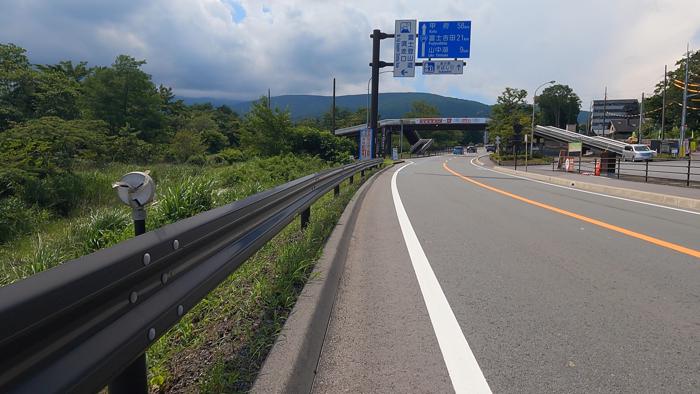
[{"x": 376, "y": 40}]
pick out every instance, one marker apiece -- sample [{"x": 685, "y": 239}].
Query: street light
[
  {"x": 368, "y": 81},
  {"x": 532, "y": 127}
]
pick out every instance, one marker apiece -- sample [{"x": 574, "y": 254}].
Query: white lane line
[
  {"x": 584, "y": 191},
  {"x": 464, "y": 371}
]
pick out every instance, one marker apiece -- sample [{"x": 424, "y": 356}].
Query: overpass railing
[{"x": 78, "y": 326}]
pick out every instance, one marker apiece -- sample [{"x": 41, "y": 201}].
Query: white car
[{"x": 636, "y": 152}]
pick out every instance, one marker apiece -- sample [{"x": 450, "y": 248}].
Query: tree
[
  {"x": 265, "y": 131},
  {"x": 228, "y": 123},
  {"x": 186, "y": 144},
  {"x": 674, "y": 97},
  {"x": 421, "y": 109},
  {"x": 75, "y": 72},
  {"x": 56, "y": 94},
  {"x": 123, "y": 94},
  {"x": 510, "y": 109},
  {"x": 559, "y": 106},
  {"x": 16, "y": 86},
  {"x": 51, "y": 145}
]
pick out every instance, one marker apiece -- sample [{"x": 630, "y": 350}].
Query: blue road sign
[{"x": 444, "y": 39}]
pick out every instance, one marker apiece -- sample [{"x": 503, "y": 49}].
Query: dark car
[
  {"x": 490, "y": 148},
  {"x": 471, "y": 149}
]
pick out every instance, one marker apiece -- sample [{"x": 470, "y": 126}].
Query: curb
[
  {"x": 656, "y": 198},
  {"x": 290, "y": 367}
]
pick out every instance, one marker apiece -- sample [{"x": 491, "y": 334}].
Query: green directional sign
[{"x": 575, "y": 147}]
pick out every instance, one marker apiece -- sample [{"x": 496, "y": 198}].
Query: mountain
[{"x": 391, "y": 105}]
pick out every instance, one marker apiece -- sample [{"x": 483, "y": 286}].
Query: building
[
  {"x": 604, "y": 111},
  {"x": 622, "y": 129}
]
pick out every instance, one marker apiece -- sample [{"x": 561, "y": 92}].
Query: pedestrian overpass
[{"x": 409, "y": 127}]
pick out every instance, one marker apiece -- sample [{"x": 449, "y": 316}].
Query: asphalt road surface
[{"x": 491, "y": 282}]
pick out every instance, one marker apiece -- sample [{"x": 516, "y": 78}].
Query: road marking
[
  {"x": 464, "y": 371},
  {"x": 481, "y": 166},
  {"x": 612, "y": 227}
]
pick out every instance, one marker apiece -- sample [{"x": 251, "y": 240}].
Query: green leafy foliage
[
  {"x": 52, "y": 145},
  {"x": 510, "y": 109},
  {"x": 124, "y": 94},
  {"x": 674, "y": 98},
  {"x": 559, "y": 106},
  {"x": 185, "y": 144},
  {"x": 17, "y": 218}
]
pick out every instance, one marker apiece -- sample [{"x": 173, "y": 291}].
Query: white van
[{"x": 636, "y": 152}]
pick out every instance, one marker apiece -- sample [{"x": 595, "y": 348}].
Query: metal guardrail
[
  {"x": 671, "y": 172},
  {"x": 76, "y": 327}
]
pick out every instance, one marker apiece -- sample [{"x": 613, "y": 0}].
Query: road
[{"x": 497, "y": 283}]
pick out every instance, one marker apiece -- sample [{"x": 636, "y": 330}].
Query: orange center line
[{"x": 612, "y": 227}]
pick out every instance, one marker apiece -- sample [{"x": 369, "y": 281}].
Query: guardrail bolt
[
  {"x": 180, "y": 310},
  {"x": 146, "y": 259},
  {"x": 133, "y": 297},
  {"x": 176, "y": 244},
  {"x": 164, "y": 278},
  {"x": 305, "y": 217},
  {"x": 151, "y": 334},
  {"x": 336, "y": 190}
]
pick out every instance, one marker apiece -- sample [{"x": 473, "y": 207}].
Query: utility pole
[
  {"x": 641, "y": 119},
  {"x": 269, "y": 99},
  {"x": 681, "y": 147},
  {"x": 663, "y": 106},
  {"x": 333, "y": 109},
  {"x": 590, "y": 119},
  {"x": 605, "y": 109}
]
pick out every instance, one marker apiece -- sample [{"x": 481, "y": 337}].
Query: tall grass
[{"x": 220, "y": 345}]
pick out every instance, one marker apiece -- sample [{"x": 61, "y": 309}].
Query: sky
[{"x": 238, "y": 49}]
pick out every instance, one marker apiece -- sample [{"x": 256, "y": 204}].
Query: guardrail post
[
  {"x": 351, "y": 179},
  {"x": 305, "y": 217},
  {"x": 687, "y": 181},
  {"x": 336, "y": 190},
  {"x": 646, "y": 171},
  {"x": 618, "y": 168},
  {"x": 362, "y": 173},
  {"x": 132, "y": 380}
]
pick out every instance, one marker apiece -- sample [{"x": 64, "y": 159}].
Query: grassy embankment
[{"x": 221, "y": 343}]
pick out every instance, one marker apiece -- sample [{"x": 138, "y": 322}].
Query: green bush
[
  {"x": 61, "y": 193},
  {"x": 17, "y": 218},
  {"x": 197, "y": 160},
  {"x": 232, "y": 155}
]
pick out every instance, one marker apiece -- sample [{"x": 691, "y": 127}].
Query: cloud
[{"x": 240, "y": 48}]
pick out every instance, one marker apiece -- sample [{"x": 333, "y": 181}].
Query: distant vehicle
[
  {"x": 458, "y": 150},
  {"x": 471, "y": 149},
  {"x": 490, "y": 148},
  {"x": 636, "y": 152}
]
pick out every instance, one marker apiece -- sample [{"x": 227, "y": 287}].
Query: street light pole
[
  {"x": 532, "y": 126},
  {"x": 368, "y": 81}
]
